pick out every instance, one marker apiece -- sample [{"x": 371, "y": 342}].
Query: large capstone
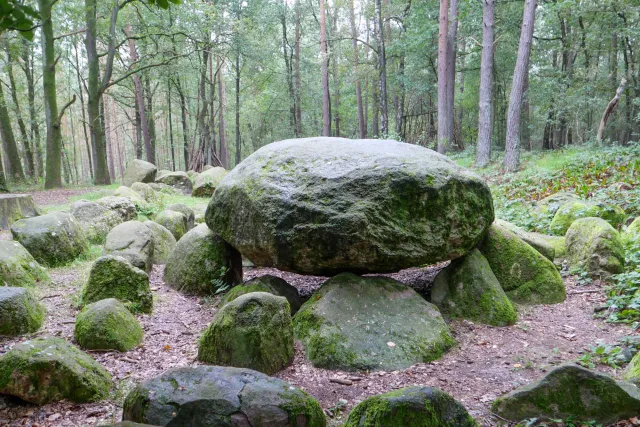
[
  {"x": 114, "y": 277},
  {"x": 370, "y": 323},
  {"x": 253, "y": 331},
  {"x": 18, "y": 268},
  {"x": 96, "y": 219},
  {"x": 207, "y": 182},
  {"x": 595, "y": 246},
  {"x": 571, "y": 391},
  {"x": 107, "y": 325},
  {"x": 327, "y": 205},
  {"x": 139, "y": 171},
  {"x": 133, "y": 241},
  {"x": 53, "y": 239},
  {"x": 201, "y": 263},
  {"x": 219, "y": 396},
  {"x": 20, "y": 312},
  {"x": 47, "y": 370},
  {"x": 14, "y": 207},
  {"x": 267, "y": 283},
  {"x": 411, "y": 406}
]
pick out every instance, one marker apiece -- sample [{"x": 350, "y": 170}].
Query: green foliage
[
  {"x": 569, "y": 422},
  {"x": 17, "y": 16},
  {"x": 164, "y": 4},
  {"x": 612, "y": 355}
]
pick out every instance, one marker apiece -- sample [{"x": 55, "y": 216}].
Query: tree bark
[
  {"x": 362, "y": 125},
  {"x": 611, "y": 108},
  {"x": 336, "y": 77},
  {"x": 29, "y": 165},
  {"x": 288, "y": 69},
  {"x": 238, "y": 136},
  {"x": 298, "y": 80},
  {"x": 512, "y": 154},
  {"x": 14, "y": 165},
  {"x": 82, "y": 106},
  {"x": 382, "y": 71},
  {"x": 35, "y": 126},
  {"x": 446, "y": 72},
  {"x": 171, "y": 145},
  {"x": 222, "y": 105},
  {"x": 485, "y": 122},
  {"x": 151, "y": 122},
  {"x": 183, "y": 119},
  {"x": 326, "y": 120}
]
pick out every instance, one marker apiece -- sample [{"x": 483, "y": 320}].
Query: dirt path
[
  {"x": 58, "y": 196},
  {"x": 486, "y": 363}
]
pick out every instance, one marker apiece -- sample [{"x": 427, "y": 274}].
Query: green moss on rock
[
  {"x": 202, "y": 262},
  {"x": 206, "y": 182},
  {"x": 139, "y": 171},
  {"x": 95, "y": 219},
  {"x": 595, "y": 246},
  {"x": 47, "y": 370},
  {"x": 550, "y": 204},
  {"x": 20, "y": 312},
  {"x": 526, "y": 276},
  {"x": 184, "y": 210},
  {"x": 537, "y": 241},
  {"x": 150, "y": 195},
  {"x": 571, "y": 211},
  {"x": 571, "y": 391},
  {"x": 107, "y": 325},
  {"x": 133, "y": 241},
  {"x": 18, "y": 268},
  {"x": 163, "y": 242},
  {"x": 267, "y": 283},
  {"x": 54, "y": 239},
  {"x": 115, "y": 277},
  {"x": 253, "y": 331},
  {"x": 632, "y": 372},
  {"x": 468, "y": 289},
  {"x": 135, "y": 197},
  {"x": 223, "y": 396},
  {"x": 370, "y": 323},
  {"x": 173, "y": 221}
]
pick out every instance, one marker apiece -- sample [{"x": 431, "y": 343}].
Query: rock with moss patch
[
  {"x": 468, "y": 289},
  {"x": 411, "y": 406},
  {"x": 559, "y": 246},
  {"x": 537, "y": 241},
  {"x": 151, "y": 196},
  {"x": 327, "y": 205},
  {"x": 632, "y": 373},
  {"x": 165, "y": 189},
  {"x": 121, "y": 206},
  {"x": 133, "y": 241},
  {"x": 178, "y": 180},
  {"x": 173, "y": 221},
  {"x": 184, "y": 210},
  {"x": 139, "y": 171},
  {"x": 126, "y": 424},
  {"x": 47, "y": 370},
  {"x": 20, "y": 312},
  {"x": 202, "y": 263},
  {"x": 370, "y": 323},
  {"x": 192, "y": 175},
  {"x": 550, "y": 204},
  {"x": 163, "y": 242},
  {"x": 207, "y": 182},
  {"x": 595, "y": 246},
  {"x": 526, "y": 276},
  {"x": 53, "y": 239},
  {"x": 633, "y": 229},
  {"x": 222, "y": 396},
  {"x": 14, "y": 207},
  {"x": 136, "y": 198},
  {"x": 571, "y": 391},
  {"x": 253, "y": 331},
  {"x": 95, "y": 219},
  {"x": 115, "y": 277},
  {"x": 267, "y": 283},
  {"x": 107, "y": 325},
  {"x": 571, "y": 211},
  {"x": 18, "y": 268}
]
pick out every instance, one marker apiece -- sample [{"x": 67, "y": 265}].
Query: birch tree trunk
[
  {"x": 512, "y": 154},
  {"x": 485, "y": 123}
]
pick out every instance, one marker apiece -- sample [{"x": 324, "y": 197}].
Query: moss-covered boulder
[
  {"x": 267, "y": 283},
  {"x": 207, "y": 181},
  {"x": 47, "y": 370},
  {"x": 163, "y": 242},
  {"x": 595, "y": 246},
  {"x": 550, "y": 204},
  {"x": 95, "y": 219},
  {"x": 202, "y": 263},
  {"x": 18, "y": 268},
  {"x": 14, "y": 207},
  {"x": 145, "y": 191},
  {"x": 327, "y": 205},
  {"x": 537, "y": 241},
  {"x": 20, "y": 312},
  {"x": 370, "y": 323},
  {"x": 178, "y": 180},
  {"x": 186, "y": 211},
  {"x": 559, "y": 246},
  {"x": 632, "y": 373},
  {"x": 253, "y": 331},
  {"x": 411, "y": 406},
  {"x": 115, "y": 277},
  {"x": 526, "y": 276},
  {"x": 222, "y": 396},
  {"x": 165, "y": 189},
  {"x": 107, "y": 325},
  {"x": 126, "y": 424},
  {"x": 121, "y": 206},
  {"x": 133, "y": 241},
  {"x": 53, "y": 239},
  {"x": 136, "y": 198},
  {"x": 468, "y": 289},
  {"x": 571, "y": 391},
  {"x": 173, "y": 221},
  {"x": 139, "y": 171},
  {"x": 571, "y": 211}
]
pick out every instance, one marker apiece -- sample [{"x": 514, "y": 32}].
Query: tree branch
[
  {"x": 67, "y": 105},
  {"x": 81, "y": 30},
  {"x": 146, "y": 67}
]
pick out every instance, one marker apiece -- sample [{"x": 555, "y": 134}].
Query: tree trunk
[
  {"x": 35, "y": 126},
  {"x": 382, "y": 71},
  {"x": 298, "y": 80},
  {"x": 326, "y": 120},
  {"x": 138, "y": 124},
  {"x": 446, "y": 75},
  {"x": 29, "y": 165},
  {"x": 485, "y": 122},
  {"x": 84, "y": 117},
  {"x": 3, "y": 180},
  {"x": 512, "y": 154},
  {"x": 288, "y": 70},
  {"x": 336, "y": 77},
  {"x": 173, "y": 150},
  {"x": 611, "y": 108},
  {"x": 14, "y": 165},
  {"x": 525, "y": 118},
  {"x": 362, "y": 125},
  {"x": 183, "y": 119},
  {"x": 222, "y": 105},
  {"x": 151, "y": 122}
]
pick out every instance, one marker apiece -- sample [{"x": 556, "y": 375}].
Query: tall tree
[
  {"x": 382, "y": 70},
  {"x": 298, "y": 79},
  {"x": 362, "y": 125},
  {"x": 29, "y": 163},
  {"x": 326, "y": 119},
  {"x": 512, "y": 153},
  {"x": 448, "y": 25},
  {"x": 222, "y": 100},
  {"x": 14, "y": 165},
  {"x": 34, "y": 124},
  {"x": 485, "y": 122}
]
